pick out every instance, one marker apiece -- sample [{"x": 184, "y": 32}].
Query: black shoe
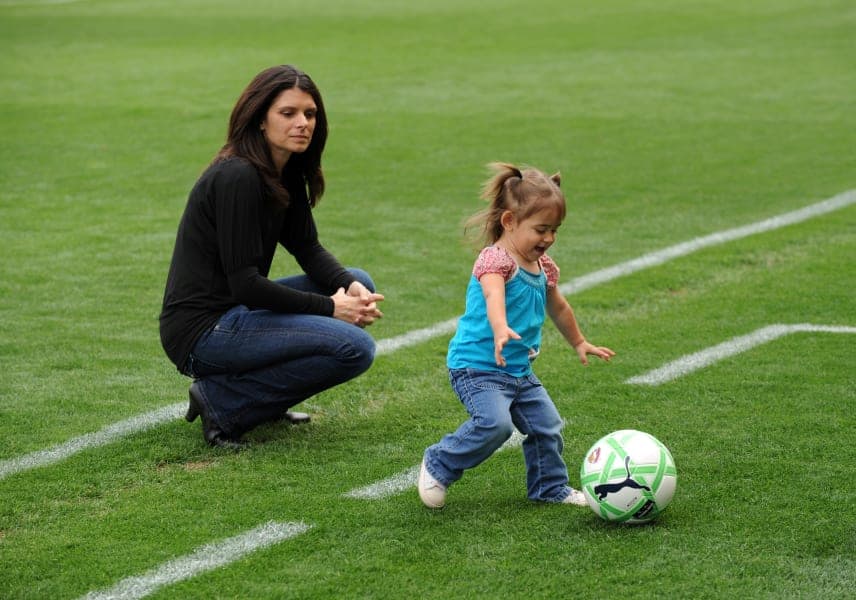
[
  {"x": 210, "y": 431},
  {"x": 193, "y": 409},
  {"x": 217, "y": 438}
]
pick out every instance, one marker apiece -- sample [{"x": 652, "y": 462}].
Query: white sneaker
[
  {"x": 576, "y": 497},
  {"x": 431, "y": 492}
]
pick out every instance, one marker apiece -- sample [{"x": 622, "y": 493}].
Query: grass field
[{"x": 669, "y": 120}]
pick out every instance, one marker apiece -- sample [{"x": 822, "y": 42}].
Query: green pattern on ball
[{"x": 651, "y": 468}]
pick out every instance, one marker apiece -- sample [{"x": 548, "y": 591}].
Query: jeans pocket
[
  {"x": 487, "y": 380},
  {"x": 196, "y": 367},
  {"x": 534, "y": 380},
  {"x": 231, "y": 319}
]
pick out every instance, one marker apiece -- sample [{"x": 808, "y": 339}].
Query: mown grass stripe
[
  {"x": 407, "y": 479},
  {"x": 387, "y": 487},
  {"x": 386, "y": 346},
  {"x": 645, "y": 261},
  {"x": 698, "y": 360},
  {"x": 660, "y": 257},
  {"x": 102, "y": 437},
  {"x": 206, "y": 558}
]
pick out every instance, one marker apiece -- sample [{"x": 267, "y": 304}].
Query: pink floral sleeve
[
  {"x": 551, "y": 270},
  {"x": 495, "y": 260}
]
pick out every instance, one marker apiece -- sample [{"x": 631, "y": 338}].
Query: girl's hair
[
  {"x": 245, "y": 138},
  {"x": 523, "y": 192}
]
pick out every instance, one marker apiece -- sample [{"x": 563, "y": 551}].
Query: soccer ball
[{"x": 628, "y": 476}]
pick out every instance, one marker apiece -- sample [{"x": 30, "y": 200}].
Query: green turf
[{"x": 669, "y": 120}]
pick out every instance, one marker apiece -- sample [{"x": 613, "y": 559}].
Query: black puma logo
[{"x": 610, "y": 488}]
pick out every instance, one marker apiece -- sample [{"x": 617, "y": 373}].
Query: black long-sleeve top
[{"x": 224, "y": 249}]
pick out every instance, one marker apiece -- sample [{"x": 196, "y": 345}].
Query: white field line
[
  {"x": 411, "y": 338},
  {"x": 652, "y": 259},
  {"x": 678, "y": 368},
  {"x": 407, "y": 479},
  {"x": 105, "y": 436},
  {"x": 699, "y": 360},
  {"x": 205, "y": 558}
]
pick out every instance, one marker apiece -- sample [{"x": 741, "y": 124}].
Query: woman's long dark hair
[{"x": 246, "y": 139}]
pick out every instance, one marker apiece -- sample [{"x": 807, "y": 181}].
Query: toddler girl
[{"x": 498, "y": 337}]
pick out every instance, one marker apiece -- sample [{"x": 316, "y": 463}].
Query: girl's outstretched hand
[
  {"x": 584, "y": 349},
  {"x": 499, "y": 341}
]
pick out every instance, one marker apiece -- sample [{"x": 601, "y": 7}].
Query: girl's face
[
  {"x": 533, "y": 236},
  {"x": 288, "y": 124}
]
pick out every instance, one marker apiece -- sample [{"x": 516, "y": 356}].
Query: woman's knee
[
  {"x": 363, "y": 277},
  {"x": 360, "y": 350}
]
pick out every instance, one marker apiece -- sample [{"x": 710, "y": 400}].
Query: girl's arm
[
  {"x": 563, "y": 316},
  {"x": 493, "y": 288}
]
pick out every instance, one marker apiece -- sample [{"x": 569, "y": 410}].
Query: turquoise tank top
[{"x": 472, "y": 345}]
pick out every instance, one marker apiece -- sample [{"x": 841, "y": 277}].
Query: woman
[{"x": 257, "y": 347}]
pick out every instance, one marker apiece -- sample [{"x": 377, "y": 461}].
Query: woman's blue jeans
[
  {"x": 254, "y": 365},
  {"x": 497, "y": 403}
]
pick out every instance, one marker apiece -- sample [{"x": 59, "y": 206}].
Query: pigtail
[
  {"x": 505, "y": 176},
  {"x": 485, "y": 227}
]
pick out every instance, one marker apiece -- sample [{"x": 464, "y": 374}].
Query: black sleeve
[
  {"x": 239, "y": 200},
  {"x": 300, "y": 238},
  {"x": 322, "y": 267},
  {"x": 252, "y": 289},
  {"x": 241, "y": 209}
]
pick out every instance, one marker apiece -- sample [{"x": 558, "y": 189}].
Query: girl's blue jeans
[
  {"x": 497, "y": 403},
  {"x": 253, "y": 365}
]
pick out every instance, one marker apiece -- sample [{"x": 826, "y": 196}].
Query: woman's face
[{"x": 289, "y": 123}]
